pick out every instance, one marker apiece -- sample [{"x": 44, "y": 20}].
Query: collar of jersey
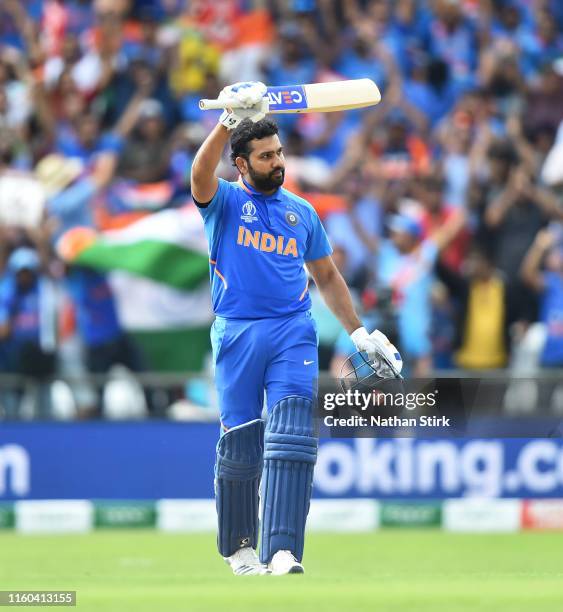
[{"x": 277, "y": 195}]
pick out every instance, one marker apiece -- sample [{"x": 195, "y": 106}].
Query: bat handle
[{"x": 218, "y": 104}]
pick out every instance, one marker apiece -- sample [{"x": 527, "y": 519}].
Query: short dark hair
[{"x": 247, "y": 131}]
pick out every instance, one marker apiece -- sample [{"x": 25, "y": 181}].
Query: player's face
[
  {"x": 404, "y": 241},
  {"x": 266, "y": 164}
]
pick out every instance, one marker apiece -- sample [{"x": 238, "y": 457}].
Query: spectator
[
  {"x": 500, "y": 74},
  {"x": 27, "y": 323},
  {"x": 406, "y": 32},
  {"x": 69, "y": 192},
  {"x": 189, "y": 103},
  {"x": 140, "y": 77},
  {"x": 481, "y": 312},
  {"x": 452, "y": 38},
  {"x": 548, "y": 246},
  {"x": 356, "y": 231},
  {"x": 388, "y": 148},
  {"x": 457, "y": 142},
  {"x": 147, "y": 48},
  {"x": 105, "y": 342},
  {"x": 292, "y": 63},
  {"x": 87, "y": 141},
  {"x": 196, "y": 57},
  {"x": 515, "y": 216},
  {"x": 429, "y": 87},
  {"x": 544, "y": 44},
  {"x": 146, "y": 155},
  {"x": 364, "y": 57},
  {"x": 492, "y": 165},
  {"x": 405, "y": 266},
  {"x": 544, "y": 101},
  {"x": 16, "y": 104},
  {"x": 67, "y": 61},
  {"x": 435, "y": 214},
  {"x": 185, "y": 143}
]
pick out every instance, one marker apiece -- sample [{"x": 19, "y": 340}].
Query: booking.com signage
[{"x": 155, "y": 460}]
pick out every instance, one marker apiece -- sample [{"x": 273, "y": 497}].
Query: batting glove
[
  {"x": 245, "y": 94},
  {"x": 375, "y": 344},
  {"x": 231, "y": 117}
]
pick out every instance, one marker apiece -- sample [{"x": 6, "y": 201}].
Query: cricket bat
[{"x": 313, "y": 98}]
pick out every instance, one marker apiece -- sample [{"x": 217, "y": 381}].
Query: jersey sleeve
[
  {"x": 212, "y": 212},
  {"x": 429, "y": 252},
  {"x": 110, "y": 143},
  {"x": 6, "y": 301},
  {"x": 318, "y": 245},
  {"x": 550, "y": 281}
]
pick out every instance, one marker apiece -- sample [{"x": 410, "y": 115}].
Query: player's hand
[
  {"x": 244, "y": 94},
  {"x": 375, "y": 344},
  {"x": 231, "y": 117},
  {"x": 248, "y": 101}
]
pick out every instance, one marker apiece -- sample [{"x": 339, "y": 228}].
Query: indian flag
[{"x": 159, "y": 271}]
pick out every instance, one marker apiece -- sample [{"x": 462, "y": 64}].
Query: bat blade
[
  {"x": 324, "y": 97},
  {"x": 314, "y": 97}
]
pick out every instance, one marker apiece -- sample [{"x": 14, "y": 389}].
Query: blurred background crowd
[{"x": 444, "y": 204}]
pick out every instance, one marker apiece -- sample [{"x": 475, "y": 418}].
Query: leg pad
[
  {"x": 237, "y": 479},
  {"x": 290, "y": 454}
]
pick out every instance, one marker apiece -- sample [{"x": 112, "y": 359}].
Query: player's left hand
[
  {"x": 245, "y": 94},
  {"x": 377, "y": 343}
]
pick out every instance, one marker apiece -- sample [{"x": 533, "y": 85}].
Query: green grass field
[{"x": 389, "y": 570}]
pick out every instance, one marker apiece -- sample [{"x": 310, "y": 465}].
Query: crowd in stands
[{"x": 444, "y": 203}]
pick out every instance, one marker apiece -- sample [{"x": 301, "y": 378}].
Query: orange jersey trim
[{"x": 224, "y": 281}]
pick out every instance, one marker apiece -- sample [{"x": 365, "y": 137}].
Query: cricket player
[{"x": 264, "y": 339}]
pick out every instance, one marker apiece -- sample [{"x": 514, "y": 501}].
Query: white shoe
[
  {"x": 245, "y": 562},
  {"x": 283, "y": 562}
]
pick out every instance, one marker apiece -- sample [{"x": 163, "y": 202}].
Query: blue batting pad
[
  {"x": 290, "y": 454},
  {"x": 237, "y": 478}
]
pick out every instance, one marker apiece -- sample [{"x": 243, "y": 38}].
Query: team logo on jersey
[
  {"x": 291, "y": 218},
  {"x": 248, "y": 212}
]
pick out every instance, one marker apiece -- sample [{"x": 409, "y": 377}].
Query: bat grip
[{"x": 218, "y": 104}]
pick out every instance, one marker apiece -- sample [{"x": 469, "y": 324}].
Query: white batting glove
[
  {"x": 244, "y": 94},
  {"x": 377, "y": 343},
  {"x": 231, "y": 117}
]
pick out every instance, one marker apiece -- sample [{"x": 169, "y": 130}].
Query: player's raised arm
[{"x": 203, "y": 178}]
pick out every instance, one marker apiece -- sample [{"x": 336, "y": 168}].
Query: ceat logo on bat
[{"x": 282, "y": 98}]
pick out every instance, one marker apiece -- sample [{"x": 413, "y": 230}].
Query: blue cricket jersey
[{"x": 258, "y": 245}]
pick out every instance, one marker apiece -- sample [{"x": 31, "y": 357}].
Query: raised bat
[{"x": 313, "y": 98}]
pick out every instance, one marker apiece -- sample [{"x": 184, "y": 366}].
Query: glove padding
[
  {"x": 375, "y": 344},
  {"x": 231, "y": 117},
  {"x": 244, "y": 94}
]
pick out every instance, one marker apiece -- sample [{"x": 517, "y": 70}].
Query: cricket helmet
[{"x": 365, "y": 374}]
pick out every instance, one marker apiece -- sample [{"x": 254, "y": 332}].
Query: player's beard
[{"x": 267, "y": 182}]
